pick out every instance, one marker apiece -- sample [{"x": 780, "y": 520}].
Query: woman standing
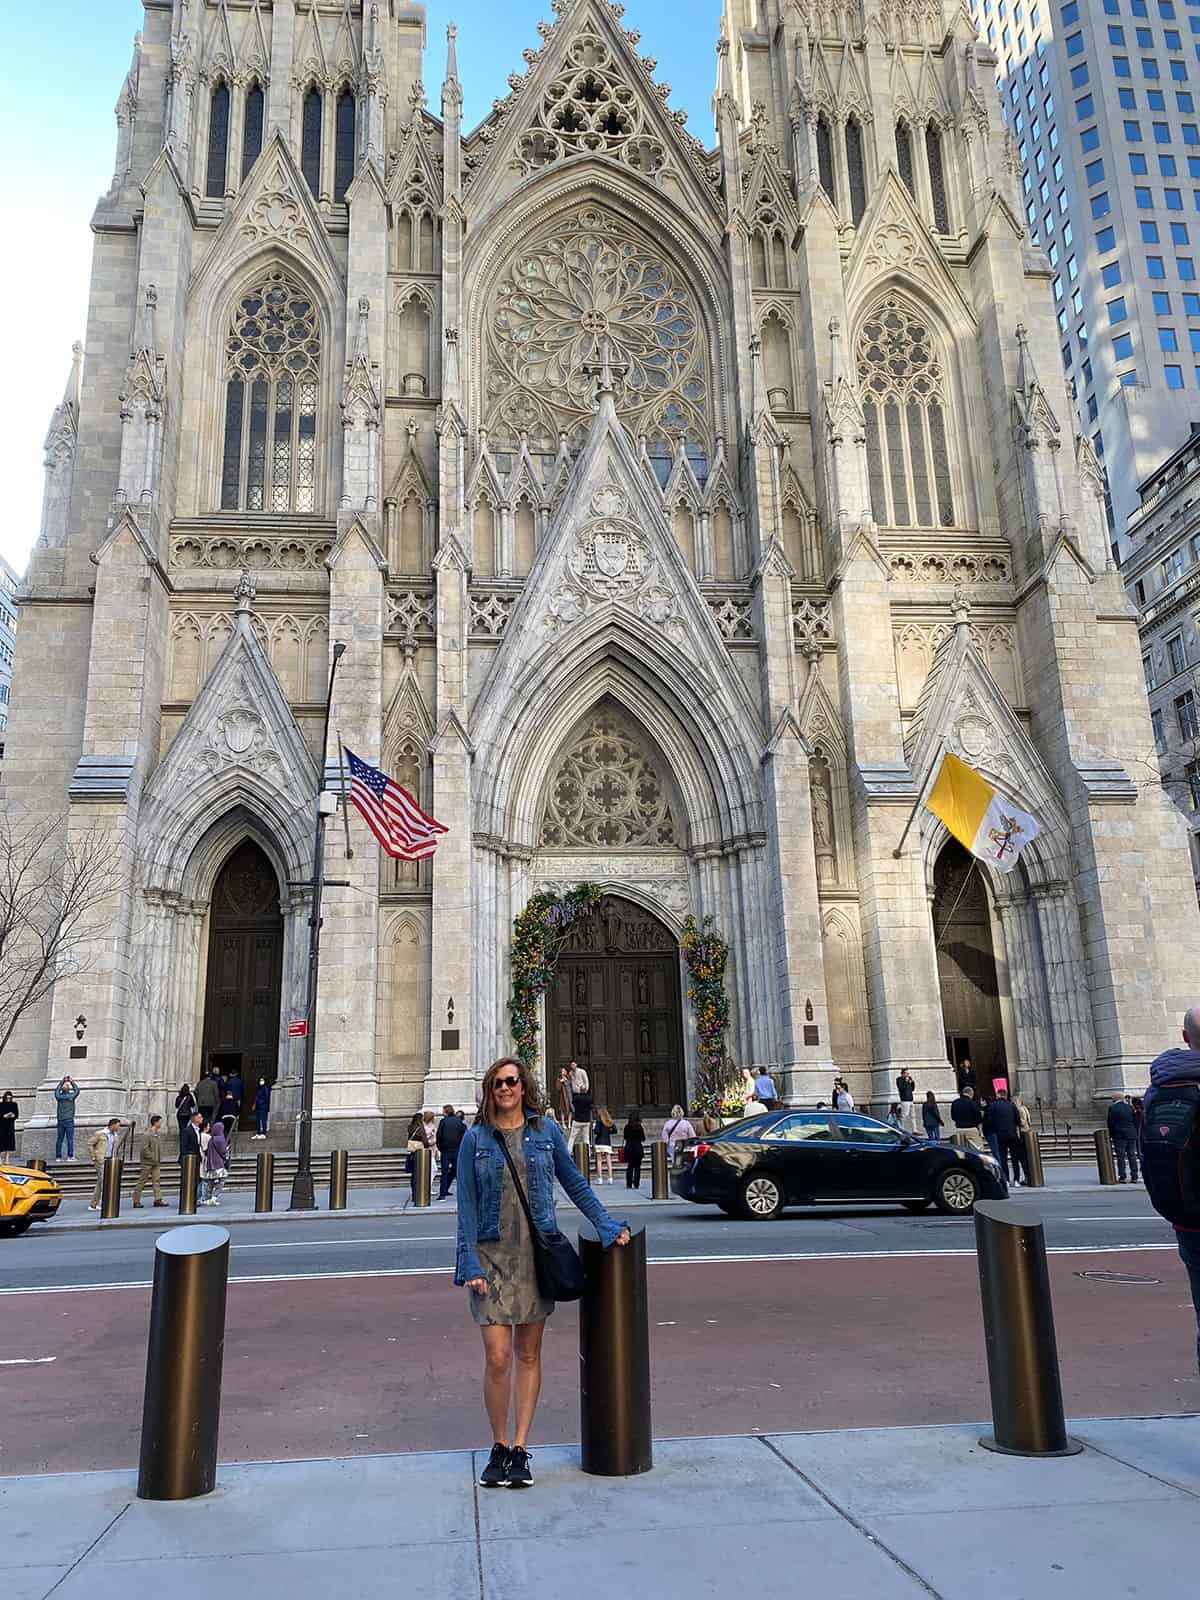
[
  {"x": 262, "y": 1109},
  {"x": 416, "y": 1141},
  {"x": 635, "y": 1148},
  {"x": 185, "y": 1106},
  {"x": 9, "y": 1112},
  {"x": 513, "y": 1142},
  {"x": 676, "y": 1127},
  {"x": 931, "y": 1116},
  {"x": 216, "y": 1163},
  {"x": 603, "y": 1133}
]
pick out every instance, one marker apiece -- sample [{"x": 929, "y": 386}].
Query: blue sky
[{"x": 61, "y": 121}]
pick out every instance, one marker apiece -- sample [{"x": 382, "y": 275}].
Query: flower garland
[
  {"x": 539, "y": 934},
  {"x": 706, "y": 954}
]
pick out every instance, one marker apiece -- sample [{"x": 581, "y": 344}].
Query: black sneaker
[
  {"x": 520, "y": 1475},
  {"x": 495, "y": 1474}
]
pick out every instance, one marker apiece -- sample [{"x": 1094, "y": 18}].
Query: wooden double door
[{"x": 245, "y": 965}]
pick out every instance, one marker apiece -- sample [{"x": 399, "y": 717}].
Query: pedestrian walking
[
  {"x": 417, "y": 1141},
  {"x": 216, "y": 1164},
  {"x": 931, "y": 1117},
  {"x": 906, "y": 1089},
  {"x": 103, "y": 1145},
  {"x": 968, "y": 1118},
  {"x": 603, "y": 1131},
  {"x": 509, "y": 1162},
  {"x": 150, "y": 1165},
  {"x": 232, "y": 1093},
  {"x": 1123, "y": 1131},
  {"x": 189, "y": 1143},
  {"x": 262, "y": 1110},
  {"x": 1002, "y": 1129},
  {"x": 563, "y": 1111},
  {"x": 450, "y": 1132},
  {"x": 676, "y": 1129},
  {"x": 9, "y": 1112},
  {"x": 582, "y": 1107},
  {"x": 754, "y": 1107},
  {"x": 764, "y": 1090},
  {"x": 843, "y": 1100},
  {"x": 185, "y": 1106},
  {"x": 1170, "y": 1142},
  {"x": 634, "y": 1137},
  {"x": 578, "y": 1079},
  {"x": 208, "y": 1096},
  {"x": 893, "y": 1117},
  {"x": 65, "y": 1096}
]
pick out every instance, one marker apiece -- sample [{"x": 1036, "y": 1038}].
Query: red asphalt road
[{"x": 365, "y": 1366}]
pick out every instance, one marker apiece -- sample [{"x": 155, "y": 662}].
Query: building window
[
  {"x": 937, "y": 179},
  {"x": 252, "y": 130},
  {"x": 908, "y": 454},
  {"x": 1176, "y": 658},
  {"x": 1192, "y": 773},
  {"x": 272, "y": 380},
  {"x": 825, "y": 157},
  {"x": 310, "y": 140},
  {"x": 1160, "y": 738},
  {"x": 904, "y": 157},
  {"x": 1185, "y": 712},
  {"x": 1173, "y": 376},
  {"x": 855, "y": 170},
  {"x": 1167, "y": 341},
  {"x": 1109, "y": 275},
  {"x": 1154, "y": 267},
  {"x": 218, "y": 142},
  {"x": 1148, "y": 670},
  {"x": 343, "y": 152}
]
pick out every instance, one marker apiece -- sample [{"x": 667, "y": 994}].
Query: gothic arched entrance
[
  {"x": 614, "y": 1007},
  {"x": 245, "y": 964},
  {"x": 962, "y": 928}
]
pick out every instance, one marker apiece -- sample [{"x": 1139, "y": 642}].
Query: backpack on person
[{"x": 1170, "y": 1144}]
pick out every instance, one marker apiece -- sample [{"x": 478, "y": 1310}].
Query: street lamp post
[{"x": 303, "y": 1195}]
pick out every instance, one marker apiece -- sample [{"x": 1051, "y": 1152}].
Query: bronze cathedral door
[
  {"x": 245, "y": 964},
  {"x": 614, "y": 1007}
]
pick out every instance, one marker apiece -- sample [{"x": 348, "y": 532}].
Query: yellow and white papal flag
[{"x": 978, "y": 816}]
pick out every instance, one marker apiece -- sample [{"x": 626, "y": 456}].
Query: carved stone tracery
[{"x": 607, "y": 792}]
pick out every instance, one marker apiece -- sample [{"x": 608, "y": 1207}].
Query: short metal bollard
[
  {"x": 264, "y": 1181},
  {"x": 582, "y": 1153},
  {"x": 1035, "y": 1175},
  {"x": 422, "y": 1177},
  {"x": 35, "y": 1164},
  {"x": 181, "y": 1412},
  {"x": 1018, "y": 1326},
  {"x": 615, "y": 1432},
  {"x": 110, "y": 1188},
  {"x": 1106, "y": 1166},
  {"x": 189, "y": 1184},
  {"x": 660, "y": 1184},
  {"x": 339, "y": 1167}
]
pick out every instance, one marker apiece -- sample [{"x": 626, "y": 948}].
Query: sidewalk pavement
[
  {"x": 238, "y": 1205},
  {"x": 894, "y": 1513}
]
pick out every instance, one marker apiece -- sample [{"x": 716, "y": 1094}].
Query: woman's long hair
[{"x": 533, "y": 1095}]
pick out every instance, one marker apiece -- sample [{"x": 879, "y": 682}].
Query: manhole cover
[{"x": 1117, "y": 1277}]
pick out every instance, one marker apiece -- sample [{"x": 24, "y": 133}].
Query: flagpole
[
  {"x": 345, "y": 795},
  {"x": 303, "y": 1195},
  {"x": 920, "y": 800}
]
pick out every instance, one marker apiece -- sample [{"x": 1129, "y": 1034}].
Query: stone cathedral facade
[{"x": 677, "y": 508}]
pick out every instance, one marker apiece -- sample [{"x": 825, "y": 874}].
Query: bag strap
[{"x": 518, "y": 1185}]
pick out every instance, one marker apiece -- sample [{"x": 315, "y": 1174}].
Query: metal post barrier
[
  {"x": 339, "y": 1166},
  {"x": 1018, "y": 1326},
  {"x": 582, "y": 1154},
  {"x": 181, "y": 1413},
  {"x": 1105, "y": 1164},
  {"x": 615, "y": 1433},
  {"x": 660, "y": 1188},
  {"x": 423, "y": 1172},
  {"x": 189, "y": 1184},
  {"x": 959, "y": 1138},
  {"x": 110, "y": 1188},
  {"x": 36, "y": 1164},
  {"x": 264, "y": 1181},
  {"x": 1035, "y": 1177}
]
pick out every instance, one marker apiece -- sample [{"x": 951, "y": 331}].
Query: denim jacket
[{"x": 480, "y": 1178}]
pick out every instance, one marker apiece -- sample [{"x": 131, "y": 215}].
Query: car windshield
[{"x": 866, "y": 1130}]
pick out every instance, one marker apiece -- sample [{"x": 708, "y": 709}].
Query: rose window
[{"x": 607, "y": 791}]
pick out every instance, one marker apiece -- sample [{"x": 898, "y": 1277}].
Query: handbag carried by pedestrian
[{"x": 555, "y": 1261}]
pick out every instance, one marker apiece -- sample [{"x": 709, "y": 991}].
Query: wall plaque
[
  {"x": 450, "y": 1038},
  {"x": 812, "y": 1033}
]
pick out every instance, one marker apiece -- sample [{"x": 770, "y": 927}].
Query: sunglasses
[{"x": 505, "y": 1083}]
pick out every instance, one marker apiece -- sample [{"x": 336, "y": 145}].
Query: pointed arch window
[
  {"x": 272, "y": 386},
  {"x": 252, "y": 128},
  {"x": 904, "y": 157},
  {"x": 310, "y": 140},
  {"x": 218, "y": 142},
  {"x": 903, "y": 385},
  {"x": 937, "y": 178},
  {"x": 343, "y": 144},
  {"x": 825, "y": 157},
  {"x": 856, "y": 172}
]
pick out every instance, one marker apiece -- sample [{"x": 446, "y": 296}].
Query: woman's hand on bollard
[{"x": 622, "y": 1237}]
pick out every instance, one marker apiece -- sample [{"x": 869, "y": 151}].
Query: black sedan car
[{"x": 757, "y": 1167}]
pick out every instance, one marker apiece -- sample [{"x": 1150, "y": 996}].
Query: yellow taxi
[{"x": 26, "y": 1196}]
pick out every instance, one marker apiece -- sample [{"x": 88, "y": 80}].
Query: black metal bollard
[
  {"x": 36, "y": 1164},
  {"x": 339, "y": 1166},
  {"x": 615, "y": 1433},
  {"x": 1106, "y": 1166},
  {"x": 423, "y": 1175},
  {"x": 660, "y": 1186},
  {"x": 1035, "y": 1175},
  {"x": 264, "y": 1181},
  {"x": 1018, "y": 1326},
  {"x": 110, "y": 1188},
  {"x": 181, "y": 1412},
  {"x": 189, "y": 1184},
  {"x": 582, "y": 1154}
]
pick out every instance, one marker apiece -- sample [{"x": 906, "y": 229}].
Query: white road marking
[
  {"x": 1147, "y": 1217},
  {"x": 344, "y": 1244},
  {"x": 654, "y": 1261},
  {"x": 27, "y": 1361}
]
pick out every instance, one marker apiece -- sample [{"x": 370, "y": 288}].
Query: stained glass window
[
  {"x": 856, "y": 170},
  {"x": 218, "y": 142},
  {"x": 252, "y": 131},
  {"x": 825, "y": 158},
  {"x": 937, "y": 179},
  {"x": 310, "y": 140},
  {"x": 904, "y": 156},
  {"x": 343, "y": 152},
  {"x": 273, "y": 349},
  {"x": 903, "y": 386}
]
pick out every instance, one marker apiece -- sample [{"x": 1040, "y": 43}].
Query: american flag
[{"x": 391, "y": 813}]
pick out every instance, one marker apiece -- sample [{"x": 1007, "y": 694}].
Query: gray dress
[{"x": 507, "y": 1262}]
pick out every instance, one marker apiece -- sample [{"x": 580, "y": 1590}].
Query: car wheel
[
  {"x": 762, "y": 1197},
  {"x": 956, "y": 1192},
  {"x": 916, "y": 1206},
  {"x": 16, "y": 1226}
]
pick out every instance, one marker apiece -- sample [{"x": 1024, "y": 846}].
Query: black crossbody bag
[{"x": 558, "y": 1267}]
